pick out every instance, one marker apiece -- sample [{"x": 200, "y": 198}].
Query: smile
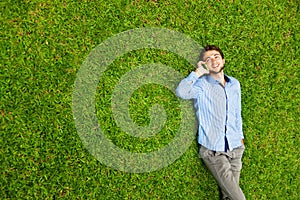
[{"x": 216, "y": 65}]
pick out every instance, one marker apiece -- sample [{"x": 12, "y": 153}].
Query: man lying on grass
[{"x": 217, "y": 102}]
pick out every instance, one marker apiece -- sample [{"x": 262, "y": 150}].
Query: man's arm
[
  {"x": 239, "y": 111},
  {"x": 186, "y": 88}
]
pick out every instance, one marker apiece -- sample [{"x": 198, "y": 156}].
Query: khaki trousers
[{"x": 225, "y": 167}]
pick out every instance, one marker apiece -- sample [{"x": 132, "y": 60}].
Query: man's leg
[
  {"x": 225, "y": 167},
  {"x": 236, "y": 162},
  {"x": 235, "y": 159}
]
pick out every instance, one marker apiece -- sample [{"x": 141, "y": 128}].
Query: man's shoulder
[
  {"x": 202, "y": 79},
  {"x": 233, "y": 80}
]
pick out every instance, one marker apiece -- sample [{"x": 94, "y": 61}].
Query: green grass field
[{"x": 43, "y": 45}]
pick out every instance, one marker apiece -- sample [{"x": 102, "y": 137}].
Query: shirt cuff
[{"x": 192, "y": 77}]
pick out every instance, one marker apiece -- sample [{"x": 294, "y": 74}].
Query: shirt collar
[{"x": 214, "y": 81}]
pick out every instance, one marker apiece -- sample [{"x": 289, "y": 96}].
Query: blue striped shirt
[{"x": 218, "y": 110}]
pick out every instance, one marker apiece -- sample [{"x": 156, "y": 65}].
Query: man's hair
[{"x": 210, "y": 48}]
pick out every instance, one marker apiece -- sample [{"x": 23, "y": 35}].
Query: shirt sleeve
[
  {"x": 239, "y": 111},
  {"x": 187, "y": 88}
]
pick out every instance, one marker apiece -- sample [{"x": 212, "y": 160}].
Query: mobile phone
[{"x": 204, "y": 66}]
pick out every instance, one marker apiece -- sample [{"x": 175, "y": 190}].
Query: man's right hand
[{"x": 200, "y": 71}]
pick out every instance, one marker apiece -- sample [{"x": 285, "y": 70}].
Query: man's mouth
[{"x": 216, "y": 65}]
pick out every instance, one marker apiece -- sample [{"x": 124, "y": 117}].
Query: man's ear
[{"x": 223, "y": 61}]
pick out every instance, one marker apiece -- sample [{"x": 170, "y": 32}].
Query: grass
[{"x": 43, "y": 44}]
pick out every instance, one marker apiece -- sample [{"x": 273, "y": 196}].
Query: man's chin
[{"x": 216, "y": 71}]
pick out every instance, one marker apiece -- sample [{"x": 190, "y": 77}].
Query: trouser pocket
[{"x": 205, "y": 153}]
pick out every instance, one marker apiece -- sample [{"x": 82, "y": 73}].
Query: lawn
[{"x": 44, "y": 45}]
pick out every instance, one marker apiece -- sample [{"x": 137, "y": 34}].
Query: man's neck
[{"x": 219, "y": 77}]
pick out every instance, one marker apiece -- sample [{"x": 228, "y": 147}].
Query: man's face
[{"x": 214, "y": 61}]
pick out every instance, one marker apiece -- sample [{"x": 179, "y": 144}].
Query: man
[{"x": 217, "y": 102}]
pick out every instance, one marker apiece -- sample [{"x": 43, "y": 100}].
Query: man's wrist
[{"x": 199, "y": 72}]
